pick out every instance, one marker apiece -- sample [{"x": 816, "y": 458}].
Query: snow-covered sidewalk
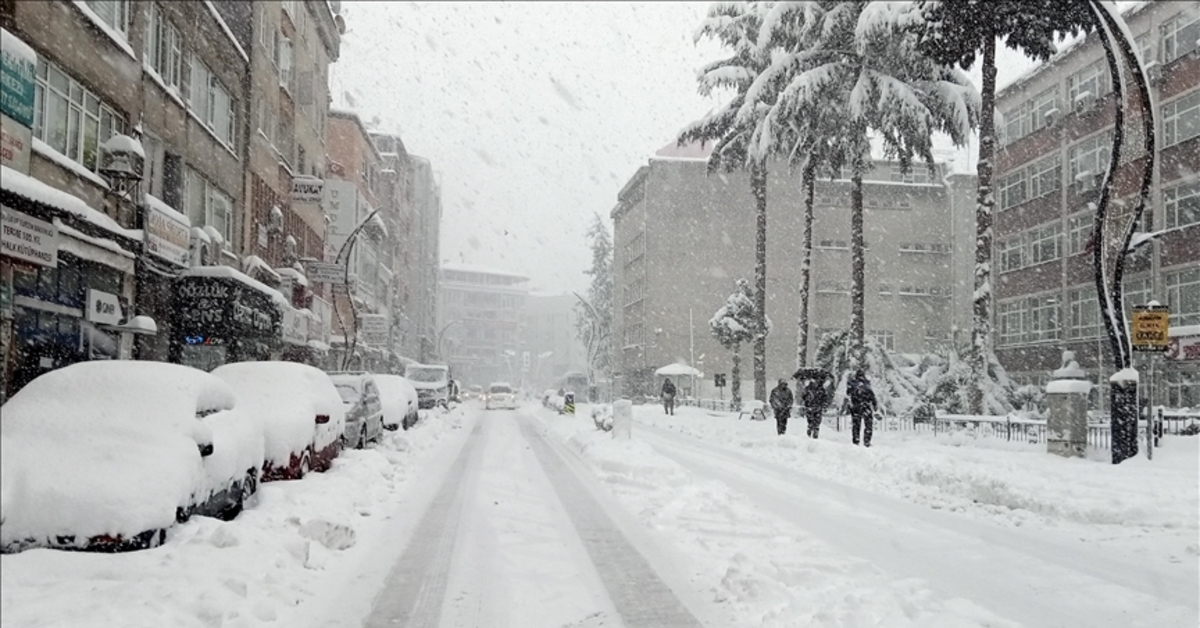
[
  {"x": 784, "y": 531},
  {"x": 263, "y": 567}
]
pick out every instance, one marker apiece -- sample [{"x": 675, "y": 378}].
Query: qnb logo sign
[{"x": 103, "y": 307}]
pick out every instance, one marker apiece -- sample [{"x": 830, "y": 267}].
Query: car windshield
[
  {"x": 348, "y": 393},
  {"x": 425, "y": 375},
  {"x": 846, "y": 313}
]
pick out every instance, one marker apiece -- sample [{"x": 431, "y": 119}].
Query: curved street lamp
[{"x": 344, "y": 254}]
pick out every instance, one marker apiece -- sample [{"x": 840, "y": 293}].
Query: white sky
[{"x": 534, "y": 114}]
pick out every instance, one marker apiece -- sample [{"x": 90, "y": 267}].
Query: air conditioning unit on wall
[{"x": 1084, "y": 100}]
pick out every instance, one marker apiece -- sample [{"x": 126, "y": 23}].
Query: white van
[{"x": 432, "y": 382}]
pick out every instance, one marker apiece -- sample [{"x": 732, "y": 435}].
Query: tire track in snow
[
  {"x": 416, "y": 586},
  {"x": 641, "y": 598}
]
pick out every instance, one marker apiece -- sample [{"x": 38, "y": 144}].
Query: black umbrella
[{"x": 812, "y": 373}]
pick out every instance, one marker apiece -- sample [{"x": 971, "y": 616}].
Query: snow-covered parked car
[
  {"x": 364, "y": 413},
  {"x": 399, "y": 400},
  {"x": 106, "y": 455},
  {"x": 299, "y": 410}
]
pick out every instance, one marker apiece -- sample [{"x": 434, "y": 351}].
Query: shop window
[{"x": 1183, "y": 296}]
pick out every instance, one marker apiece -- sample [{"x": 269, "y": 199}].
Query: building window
[
  {"x": 1084, "y": 310},
  {"x": 1088, "y": 84},
  {"x": 1145, "y": 47},
  {"x": 71, "y": 119},
  {"x": 1012, "y": 322},
  {"x": 1183, "y": 296},
  {"x": 1079, "y": 233},
  {"x": 1183, "y": 389},
  {"x": 1030, "y": 116},
  {"x": 1013, "y": 190},
  {"x": 1045, "y": 176},
  {"x": 1182, "y": 204},
  {"x": 1012, "y": 253},
  {"x": 914, "y": 174},
  {"x": 285, "y": 63},
  {"x": 1042, "y": 319},
  {"x": 885, "y": 338},
  {"x": 206, "y": 204},
  {"x": 1045, "y": 244},
  {"x": 839, "y": 245},
  {"x": 1135, "y": 292},
  {"x": 1180, "y": 34},
  {"x": 211, "y": 103},
  {"x": 164, "y": 52},
  {"x": 115, "y": 13},
  {"x": 1181, "y": 119},
  {"x": 1089, "y": 159}
]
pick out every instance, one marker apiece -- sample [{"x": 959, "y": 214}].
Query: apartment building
[
  {"x": 403, "y": 224},
  {"x": 427, "y": 201},
  {"x": 683, "y": 237},
  {"x": 480, "y": 332},
  {"x": 1055, "y": 138}
]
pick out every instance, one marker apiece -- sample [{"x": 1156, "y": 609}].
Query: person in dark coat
[
  {"x": 862, "y": 404},
  {"x": 668, "y": 397},
  {"x": 781, "y": 403},
  {"x": 815, "y": 399}
]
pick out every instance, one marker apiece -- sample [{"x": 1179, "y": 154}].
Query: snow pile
[
  {"x": 286, "y": 397},
  {"x": 397, "y": 396},
  {"x": 294, "y": 545},
  {"x": 116, "y": 456}
]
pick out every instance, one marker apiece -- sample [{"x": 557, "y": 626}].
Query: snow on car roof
[{"x": 286, "y": 397}]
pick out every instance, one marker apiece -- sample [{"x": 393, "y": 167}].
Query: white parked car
[
  {"x": 105, "y": 456},
  {"x": 364, "y": 413},
  {"x": 500, "y": 395},
  {"x": 399, "y": 399},
  {"x": 299, "y": 410}
]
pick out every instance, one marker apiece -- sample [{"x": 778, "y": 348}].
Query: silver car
[{"x": 364, "y": 411}]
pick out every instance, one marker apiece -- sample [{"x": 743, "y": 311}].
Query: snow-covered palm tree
[
  {"x": 736, "y": 26},
  {"x": 846, "y": 73}
]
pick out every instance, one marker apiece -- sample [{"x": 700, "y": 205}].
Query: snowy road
[
  {"x": 1039, "y": 578},
  {"x": 515, "y": 537}
]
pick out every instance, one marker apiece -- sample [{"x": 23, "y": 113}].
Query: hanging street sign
[
  {"x": 325, "y": 272},
  {"x": 1150, "y": 328}
]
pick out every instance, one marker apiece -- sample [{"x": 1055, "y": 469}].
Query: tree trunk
[
  {"x": 858, "y": 347},
  {"x": 758, "y": 187},
  {"x": 809, "y": 181},
  {"x": 735, "y": 381},
  {"x": 981, "y": 325}
]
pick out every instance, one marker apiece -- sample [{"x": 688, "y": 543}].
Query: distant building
[
  {"x": 427, "y": 202},
  {"x": 682, "y": 237},
  {"x": 402, "y": 219},
  {"x": 1055, "y": 137},
  {"x": 549, "y": 330},
  {"x": 479, "y": 334}
]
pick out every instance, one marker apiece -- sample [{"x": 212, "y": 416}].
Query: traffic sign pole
[{"x": 1151, "y": 334}]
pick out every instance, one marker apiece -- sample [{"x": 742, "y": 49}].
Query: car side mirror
[
  {"x": 322, "y": 419},
  {"x": 206, "y": 449}
]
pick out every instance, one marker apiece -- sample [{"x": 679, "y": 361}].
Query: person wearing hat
[
  {"x": 861, "y": 402},
  {"x": 815, "y": 400},
  {"x": 781, "y": 403}
]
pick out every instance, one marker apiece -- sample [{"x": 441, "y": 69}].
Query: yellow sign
[{"x": 1150, "y": 328}]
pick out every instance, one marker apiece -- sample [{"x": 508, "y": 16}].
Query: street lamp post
[
  {"x": 440, "y": 334},
  {"x": 344, "y": 254}
]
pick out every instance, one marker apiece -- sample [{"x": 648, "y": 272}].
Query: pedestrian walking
[
  {"x": 668, "y": 397},
  {"x": 781, "y": 403},
  {"x": 815, "y": 400},
  {"x": 862, "y": 404}
]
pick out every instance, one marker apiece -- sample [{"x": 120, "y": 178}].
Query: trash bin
[{"x": 1066, "y": 419}]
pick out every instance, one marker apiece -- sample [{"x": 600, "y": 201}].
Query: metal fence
[{"x": 1010, "y": 428}]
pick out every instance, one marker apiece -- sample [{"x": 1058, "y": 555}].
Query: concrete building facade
[
  {"x": 1055, "y": 140},
  {"x": 480, "y": 331},
  {"x": 426, "y": 290},
  {"x": 549, "y": 330},
  {"x": 682, "y": 238}
]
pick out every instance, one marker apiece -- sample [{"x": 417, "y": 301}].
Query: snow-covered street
[{"x": 531, "y": 518}]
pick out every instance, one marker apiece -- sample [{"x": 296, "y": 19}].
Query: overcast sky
[{"x": 534, "y": 114}]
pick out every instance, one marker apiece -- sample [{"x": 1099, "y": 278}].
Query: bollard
[
  {"x": 622, "y": 419},
  {"x": 569, "y": 403},
  {"x": 1066, "y": 419}
]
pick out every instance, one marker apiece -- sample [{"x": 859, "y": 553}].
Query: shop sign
[
  {"x": 307, "y": 189},
  {"x": 17, "y": 70},
  {"x": 225, "y": 308},
  {"x": 167, "y": 237},
  {"x": 28, "y": 239},
  {"x": 1150, "y": 327},
  {"x": 15, "y": 141},
  {"x": 103, "y": 307},
  {"x": 1184, "y": 348},
  {"x": 325, "y": 272},
  {"x": 295, "y": 327},
  {"x": 373, "y": 328}
]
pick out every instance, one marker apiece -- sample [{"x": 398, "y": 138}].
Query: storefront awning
[
  {"x": 26, "y": 186},
  {"x": 96, "y": 250}
]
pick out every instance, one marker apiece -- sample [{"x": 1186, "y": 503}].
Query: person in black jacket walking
[
  {"x": 815, "y": 399},
  {"x": 861, "y": 402},
  {"x": 781, "y": 403},
  {"x": 668, "y": 397}
]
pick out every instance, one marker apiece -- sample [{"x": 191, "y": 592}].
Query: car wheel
[
  {"x": 305, "y": 464},
  {"x": 249, "y": 487},
  {"x": 362, "y": 438}
]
